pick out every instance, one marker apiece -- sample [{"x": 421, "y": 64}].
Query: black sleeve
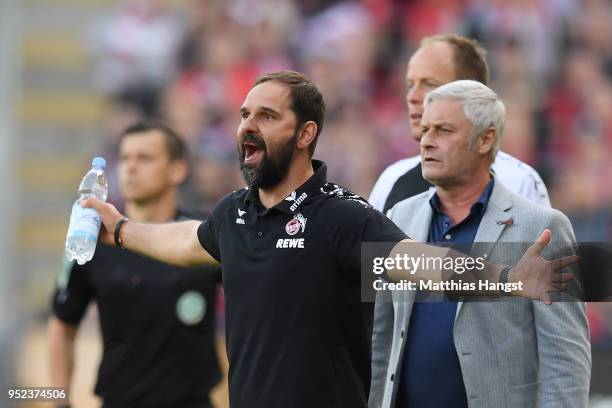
[
  {"x": 73, "y": 293},
  {"x": 208, "y": 231},
  {"x": 358, "y": 223},
  {"x": 203, "y": 232},
  {"x": 209, "y": 238}
]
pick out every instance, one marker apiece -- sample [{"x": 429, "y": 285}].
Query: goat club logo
[
  {"x": 292, "y": 227},
  {"x": 296, "y": 224}
]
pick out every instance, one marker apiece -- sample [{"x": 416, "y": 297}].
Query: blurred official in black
[{"x": 157, "y": 320}]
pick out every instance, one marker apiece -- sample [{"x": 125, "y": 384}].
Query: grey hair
[{"x": 481, "y": 106}]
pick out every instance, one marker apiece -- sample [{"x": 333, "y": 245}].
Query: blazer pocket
[{"x": 523, "y": 396}]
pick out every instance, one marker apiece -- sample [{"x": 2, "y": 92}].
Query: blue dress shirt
[{"x": 431, "y": 374}]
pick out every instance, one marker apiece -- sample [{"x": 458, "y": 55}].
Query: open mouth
[
  {"x": 252, "y": 152},
  {"x": 416, "y": 117}
]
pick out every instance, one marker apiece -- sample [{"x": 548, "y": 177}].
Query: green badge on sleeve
[{"x": 191, "y": 307}]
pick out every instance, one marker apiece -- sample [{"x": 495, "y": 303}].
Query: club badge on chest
[{"x": 296, "y": 224}]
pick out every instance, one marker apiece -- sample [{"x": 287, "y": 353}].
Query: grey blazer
[{"x": 514, "y": 353}]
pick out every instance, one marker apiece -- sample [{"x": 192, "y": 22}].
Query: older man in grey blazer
[{"x": 514, "y": 353}]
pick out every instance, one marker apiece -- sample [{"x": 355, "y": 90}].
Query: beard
[{"x": 272, "y": 169}]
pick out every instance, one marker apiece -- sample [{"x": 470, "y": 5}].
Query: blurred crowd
[{"x": 192, "y": 62}]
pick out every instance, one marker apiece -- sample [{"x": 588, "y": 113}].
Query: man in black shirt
[
  {"x": 157, "y": 320},
  {"x": 290, "y": 245}
]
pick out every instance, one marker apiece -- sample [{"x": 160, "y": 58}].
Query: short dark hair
[
  {"x": 175, "y": 145},
  {"x": 306, "y": 100},
  {"x": 469, "y": 57}
]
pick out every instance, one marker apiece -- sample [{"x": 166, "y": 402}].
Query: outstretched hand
[
  {"x": 539, "y": 276},
  {"x": 109, "y": 215}
]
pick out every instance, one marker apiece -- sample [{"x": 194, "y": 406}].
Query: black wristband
[{"x": 118, "y": 240}]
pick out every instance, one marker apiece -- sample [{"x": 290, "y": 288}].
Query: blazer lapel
[
  {"x": 416, "y": 226},
  {"x": 496, "y": 219}
]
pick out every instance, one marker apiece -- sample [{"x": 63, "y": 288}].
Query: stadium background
[{"x": 73, "y": 73}]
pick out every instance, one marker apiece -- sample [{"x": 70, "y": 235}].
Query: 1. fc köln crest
[{"x": 296, "y": 224}]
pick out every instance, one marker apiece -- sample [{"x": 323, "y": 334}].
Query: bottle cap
[{"x": 99, "y": 163}]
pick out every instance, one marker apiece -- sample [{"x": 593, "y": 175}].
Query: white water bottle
[{"x": 85, "y": 223}]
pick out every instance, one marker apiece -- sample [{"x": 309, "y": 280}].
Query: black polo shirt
[
  {"x": 157, "y": 324},
  {"x": 297, "y": 333}
]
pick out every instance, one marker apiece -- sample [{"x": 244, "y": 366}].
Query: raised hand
[{"x": 539, "y": 276}]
